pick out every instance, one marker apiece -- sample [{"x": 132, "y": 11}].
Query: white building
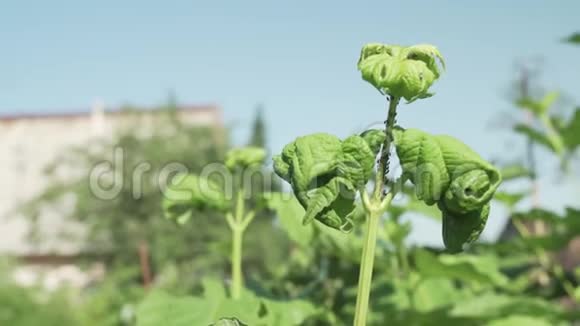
[{"x": 28, "y": 143}]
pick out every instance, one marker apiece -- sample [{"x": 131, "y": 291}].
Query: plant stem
[
  {"x": 368, "y": 259},
  {"x": 366, "y": 271},
  {"x": 375, "y": 208},
  {"x": 237, "y": 278},
  {"x": 383, "y": 164},
  {"x": 237, "y": 241}
]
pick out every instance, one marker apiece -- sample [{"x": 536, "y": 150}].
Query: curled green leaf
[
  {"x": 245, "y": 157},
  {"x": 448, "y": 173},
  {"x": 401, "y": 72},
  {"x": 326, "y": 173},
  {"x": 189, "y": 192}
]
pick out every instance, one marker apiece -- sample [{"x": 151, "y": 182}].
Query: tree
[
  {"x": 118, "y": 228},
  {"x": 258, "y": 137}
]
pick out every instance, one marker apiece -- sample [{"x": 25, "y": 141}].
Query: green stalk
[
  {"x": 375, "y": 207},
  {"x": 374, "y": 213},
  {"x": 237, "y": 278},
  {"x": 237, "y": 241},
  {"x": 404, "y": 256}
]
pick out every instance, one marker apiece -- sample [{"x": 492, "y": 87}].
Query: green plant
[
  {"x": 538, "y": 234},
  {"x": 32, "y": 305},
  {"x": 326, "y": 173},
  {"x": 311, "y": 271},
  {"x": 190, "y": 193},
  {"x": 214, "y": 305}
]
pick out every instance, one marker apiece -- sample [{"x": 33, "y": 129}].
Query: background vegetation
[{"x": 518, "y": 280}]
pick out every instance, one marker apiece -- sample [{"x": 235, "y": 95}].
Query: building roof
[{"x": 85, "y": 113}]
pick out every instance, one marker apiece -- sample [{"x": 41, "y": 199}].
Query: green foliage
[
  {"x": 215, "y": 306},
  {"x": 325, "y": 174},
  {"x": 515, "y": 171},
  {"x": 116, "y": 227},
  {"x": 447, "y": 172},
  {"x": 229, "y": 322},
  {"x": 162, "y": 309},
  {"x": 540, "y": 107},
  {"x": 258, "y": 136},
  {"x": 112, "y": 302},
  {"x": 537, "y": 136},
  {"x": 288, "y": 210},
  {"x": 30, "y": 307},
  {"x": 558, "y": 135},
  {"x": 520, "y": 320},
  {"x": 401, "y": 72},
  {"x": 188, "y": 193},
  {"x": 563, "y": 228},
  {"x": 574, "y": 38},
  {"x": 500, "y": 306},
  {"x": 483, "y": 270},
  {"x": 244, "y": 158},
  {"x": 313, "y": 278},
  {"x": 510, "y": 199},
  {"x": 570, "y": 131}
]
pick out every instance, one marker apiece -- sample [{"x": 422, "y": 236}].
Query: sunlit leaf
[
  {"x": 216, "y": 308},
  {"x": 577, "y": 294},
  {"x": 162, "y": 309},
  {"x": 289, "y": 313},
  {"x": 495, "y": 306},
  {"x": 519, "y": 321},
  {"x": 435, "y": 293},
  {"x": 480, "y": 269}
]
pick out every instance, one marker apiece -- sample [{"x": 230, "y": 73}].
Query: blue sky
[{"x": 298, "y": 58}]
